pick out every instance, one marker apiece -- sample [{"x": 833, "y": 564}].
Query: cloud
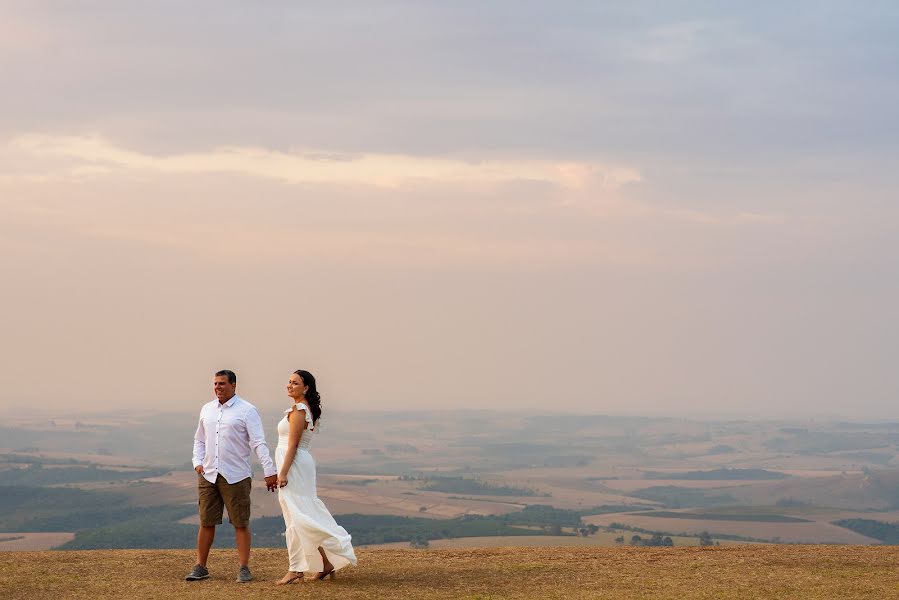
[
  {"x": 97, "y": 155},
  {"x": 588, "y": 188},
  {"x": 670, "y": 43},
  {"x": 695, "y": 216}
]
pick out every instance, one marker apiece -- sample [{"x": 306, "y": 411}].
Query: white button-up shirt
[{"x": 225, "y": 437}]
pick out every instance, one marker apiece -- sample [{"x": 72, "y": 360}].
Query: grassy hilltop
[{"x": 752, "y": 571}]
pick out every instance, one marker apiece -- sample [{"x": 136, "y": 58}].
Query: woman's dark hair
[{"x": 312, "y": 396}]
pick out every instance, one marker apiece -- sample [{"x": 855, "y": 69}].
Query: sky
[{"x": 671, "y": 207}]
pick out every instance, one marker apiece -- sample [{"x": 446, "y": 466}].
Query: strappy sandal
[{"x": 297, "y": 578}]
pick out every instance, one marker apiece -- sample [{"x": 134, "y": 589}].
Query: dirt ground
[{"x": 761, "y": 571}]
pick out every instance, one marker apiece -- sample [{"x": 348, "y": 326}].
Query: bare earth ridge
[{"x": 751, "y": 571}]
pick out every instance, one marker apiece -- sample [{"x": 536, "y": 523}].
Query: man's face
[{"x": 223, "y": 388}]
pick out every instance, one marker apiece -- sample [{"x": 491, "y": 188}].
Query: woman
[{"x": 315, "y": 542}]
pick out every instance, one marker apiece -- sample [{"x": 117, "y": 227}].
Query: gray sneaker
[
  {"x": 197, "y": 573},
  {"x": 244, "y": 575}
]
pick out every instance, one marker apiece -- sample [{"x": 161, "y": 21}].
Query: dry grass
[{"x": 808, "y": 572}]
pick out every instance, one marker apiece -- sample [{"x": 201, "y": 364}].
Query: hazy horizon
[
  {"x": 653, "y": 209},
  {"x": 271, "y": 408}
]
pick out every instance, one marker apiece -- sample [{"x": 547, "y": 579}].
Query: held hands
[
  {"x": 199, "y": 470},
  {"x": 271, "y": 482},
  {"x": 282, "y": 481}
]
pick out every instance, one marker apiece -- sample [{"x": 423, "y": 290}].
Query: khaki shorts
[{"x": 215, "y": 496}]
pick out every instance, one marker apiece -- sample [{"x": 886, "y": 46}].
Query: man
[{"x": 229, "y": 429}]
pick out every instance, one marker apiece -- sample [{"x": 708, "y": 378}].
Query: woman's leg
[
  {"x": 290, "y": 577},
  {"x": 326, "y": 564}
]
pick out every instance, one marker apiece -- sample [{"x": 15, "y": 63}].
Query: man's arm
[
  {"x": 257, "y": 443},
  {"x": 199, "y": 446}
]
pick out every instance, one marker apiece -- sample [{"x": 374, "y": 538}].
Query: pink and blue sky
[{"x": 644, "y": 207}]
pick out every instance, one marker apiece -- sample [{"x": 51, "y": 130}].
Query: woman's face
[{"x": 296, "y": 389}]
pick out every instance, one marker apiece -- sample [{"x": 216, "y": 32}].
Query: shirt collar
[{"x": 230, "y": 402}]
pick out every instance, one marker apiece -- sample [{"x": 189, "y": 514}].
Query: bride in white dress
[{"x": 315, "y": 542}]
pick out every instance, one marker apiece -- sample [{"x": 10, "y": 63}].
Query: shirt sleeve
[
  {"x": 199, "y": 443},
  {"x": 257, "y": 442}
]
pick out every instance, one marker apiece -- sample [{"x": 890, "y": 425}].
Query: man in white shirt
[{"x": 230, "y": 429}]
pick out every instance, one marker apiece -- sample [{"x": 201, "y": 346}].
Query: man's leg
[
  {"x": 211, "y": 506},
  {"x": 205, "y": 537},
  {"x": 243, "y": 545},
  {"x": 236, "y": 498}
]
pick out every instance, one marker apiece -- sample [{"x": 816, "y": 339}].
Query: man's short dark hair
[{"x": 231, "y": 375}]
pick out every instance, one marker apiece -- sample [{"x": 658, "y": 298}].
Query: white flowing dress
[{"x": 309, "y": 524}]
